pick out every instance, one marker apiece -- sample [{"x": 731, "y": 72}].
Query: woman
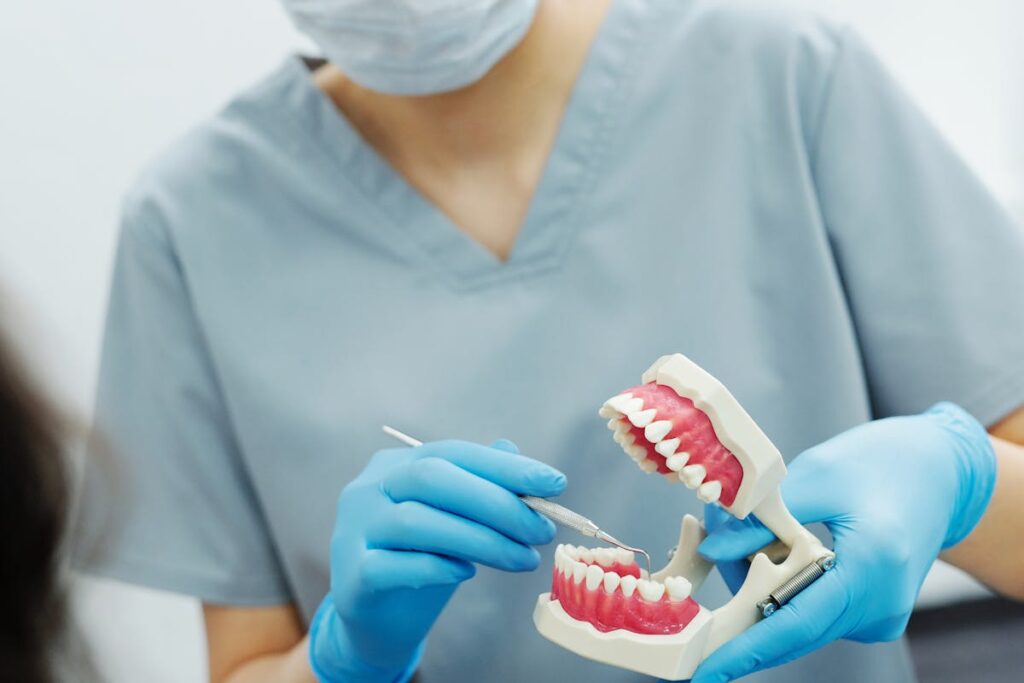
[{"x": 483, "y": 218}]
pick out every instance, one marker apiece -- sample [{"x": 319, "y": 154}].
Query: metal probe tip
[{"x": 608, "y": 538}]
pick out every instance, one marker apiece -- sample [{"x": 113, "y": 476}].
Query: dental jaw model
[{"x": 683, "y": 424}]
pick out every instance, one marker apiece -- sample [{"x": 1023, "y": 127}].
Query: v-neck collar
[{"x": 553, "y": 213}]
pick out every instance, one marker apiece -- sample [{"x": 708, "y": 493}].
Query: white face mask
[{"x": 413, "y": 47}]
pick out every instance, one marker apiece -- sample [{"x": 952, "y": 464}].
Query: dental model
[{"x": 685, "y": 425}]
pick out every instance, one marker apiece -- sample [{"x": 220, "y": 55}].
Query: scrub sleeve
[
  {"x": 932, "y": 268},
  {"x": 195, "y": 526}
]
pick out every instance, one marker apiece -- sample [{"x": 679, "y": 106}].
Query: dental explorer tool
[{"x": 550, "y": 509}]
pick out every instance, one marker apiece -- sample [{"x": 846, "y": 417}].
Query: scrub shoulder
[
  {"x": 230, "y": 158},
  {"x": 758, "y": 22}
]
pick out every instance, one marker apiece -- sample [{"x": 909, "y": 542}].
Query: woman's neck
[{"x": 512, "y": 111}]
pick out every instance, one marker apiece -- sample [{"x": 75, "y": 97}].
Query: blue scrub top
[{"x": 736, "y": 180}]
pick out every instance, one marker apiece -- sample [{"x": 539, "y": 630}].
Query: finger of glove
[
  {"x": 505, "y": 445},
  {"x": 715, "y": 516},
  {"x": 805, "y": 497},
  {"x": 735, "y": 540},
  {"x": 415, "y": 526},
  {"x": 446, "y": 486},
  {"x": 517, "y": 473},
  {"x": 511, "y": 447},
  {"x": 385, "y": 570},
  {"x": 733, "y": 573},
  {"x": 800, "y": 624}
]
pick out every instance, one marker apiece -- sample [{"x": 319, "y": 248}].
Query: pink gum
[
  {"x": 613, "y": 611},
  {"x": 696, "y": 435}
]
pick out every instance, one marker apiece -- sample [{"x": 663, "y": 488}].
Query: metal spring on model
[
  {"x": 789, "y": 590},
  {"x": 804, "y": 578}
]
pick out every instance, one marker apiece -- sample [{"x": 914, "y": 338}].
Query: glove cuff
[
  {"x": 330, "y": 655},
  {"x": 976, "y": 466}
]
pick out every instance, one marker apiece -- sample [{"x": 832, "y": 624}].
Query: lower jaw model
[{"x": 683, "y": 424}]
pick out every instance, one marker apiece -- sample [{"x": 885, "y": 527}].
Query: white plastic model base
[
  {"x": 672, "y": 658},
  {"x": 676, "y": 656}
]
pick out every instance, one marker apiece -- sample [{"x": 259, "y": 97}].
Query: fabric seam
[{"x": 842, "y": 43}]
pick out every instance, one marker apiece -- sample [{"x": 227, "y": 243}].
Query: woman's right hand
[{"x": 408, "y": 531}]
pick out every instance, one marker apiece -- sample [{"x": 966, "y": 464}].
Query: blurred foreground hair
[{"x": 34, "y": 502}]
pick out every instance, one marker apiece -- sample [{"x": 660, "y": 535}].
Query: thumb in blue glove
[
  {"x": 893, "y": 493},
  {"x": 409, "y": 530}
]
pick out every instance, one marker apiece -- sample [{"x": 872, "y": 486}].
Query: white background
[{"x": 89, "y": 91}]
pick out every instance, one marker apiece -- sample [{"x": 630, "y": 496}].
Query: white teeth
[
  {"x": 666, "y": 448},
  {"x": 633, "y": 405},
  {"x": 642, "y": 418},
  {"x": 648, "y": 466},
  {"x": 615, "y": 423},
  {"x": 656, "y": 431},
  {"x": 607, "y": 411},
  {"x": 623, "y": 438},
  {"x": 594, "y": 577},
  {"x": 651, "y": 591},
  {"x": 562, "y": 559},
  {"x": 625, "y": 557},
  {"x": 621, "y": 402},
  {"x": 628, "y": 585},
  {"x": 678, "y": 588},
  {"x": 611, "y": 582},
  {"x": 604, "y": 556},
  {"x": 573, "y": 552},
  {"x": 692, "y": 475},
  {"x": 676, "y": 462},
  {"x": 710, "y": 492},
  {"x": 579, "y": 570},
  {"x": 587, "y": 555}
]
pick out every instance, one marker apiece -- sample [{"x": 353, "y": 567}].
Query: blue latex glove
[
  {"x": 408, "y": 531},
  {"x": 893, "y": 493}
]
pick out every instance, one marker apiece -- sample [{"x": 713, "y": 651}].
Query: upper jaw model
[{"x": 685, "y": 425}]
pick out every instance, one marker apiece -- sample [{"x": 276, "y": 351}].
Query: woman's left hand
[{"x": 893, "y": 493}]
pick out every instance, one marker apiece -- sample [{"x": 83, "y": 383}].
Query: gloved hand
[
  {"x": 407, "y": 532},
  {"x": 893, "y": 493}
]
